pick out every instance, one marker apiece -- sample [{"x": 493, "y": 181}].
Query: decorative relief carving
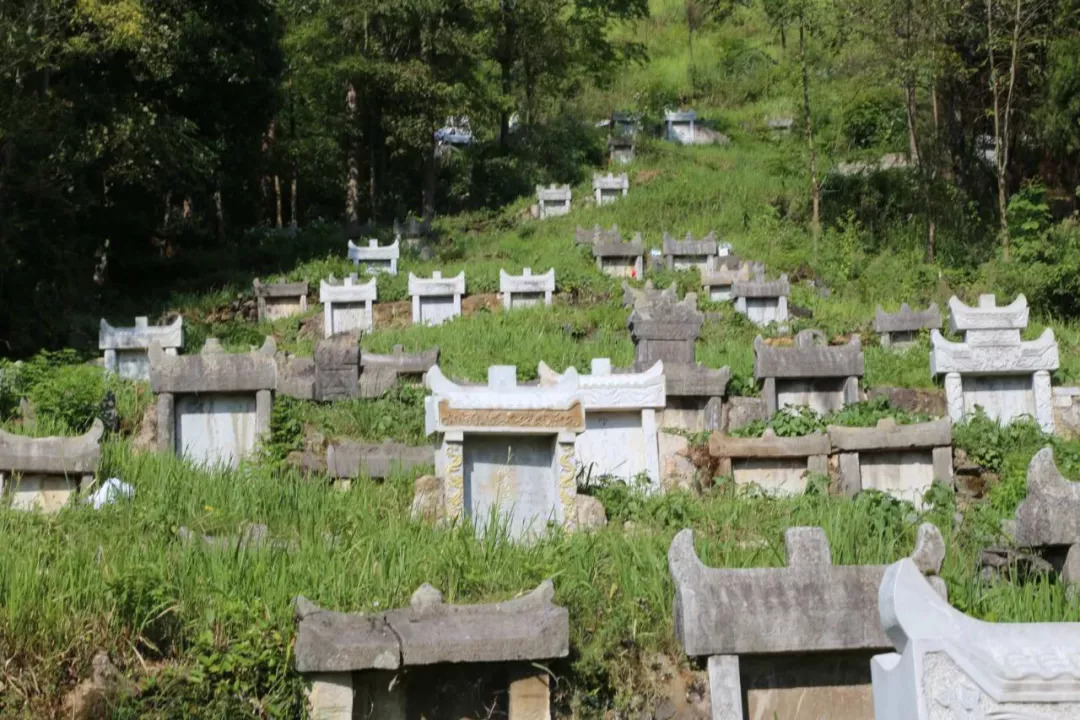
[
  {"x": 455, "y": 479},
  {"x": 567, "y": 480},
  {"x": 572, "y": 417}
]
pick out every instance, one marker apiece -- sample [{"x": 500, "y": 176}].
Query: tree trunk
[
  {"x": 219, "y": 215},
  {"x": 186, "y": 209},
  {"x": 166, "y": 220},
  {"x": 430, "y": 181},
  {"x": 277, "y": 200},
  {"x": 352, "y": 182},
  {"x": 815, "y": 184},
  {"x": 999, "y": 139},
  {"x": 293, "y": 203}
]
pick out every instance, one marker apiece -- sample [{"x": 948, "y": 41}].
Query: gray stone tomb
[
  {"x": 215, "y": 406},
  {"x": 376, "y": 259},
  {"x": 436, "y": 299},
  {"x": 947, "y": 665},
  {"x": 609, "y": 188},
  {"x": 811, "y": 373},
  {"x": 280, "y": 300},
  {"x": 763, "y": 302},
  {"x": 43, "y": 473},
  {"x": 621, "y": 150},
  {"x": 720, "y": 274},
  {"x": 680, "y": 126},
  {"x": 620, "y": 259},
  {"x": 125, "y": 347},
  {"x": 597, "y": 235},
  {"x": 385, "y": 665},
  {"x": 790, "y": 642},
  {"x": 899, "y": 329},
  {"x": 689, "y": 254},
  {"x": 993, "y": 368},
  {"x": 347, "y": 307},
  {"x": 526, "y": 290},
  {"x": 777, "y": 465},
  {"x": 553, "y": 201}
]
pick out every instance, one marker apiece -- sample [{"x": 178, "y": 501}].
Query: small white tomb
[
  {"x": 436, "y": 299},
  {"x": 125, "y": 348},
  {"x": 526, "y": 289},
  {"x": 609, "y": 188},
  {"x": 680, "y": 126},
  {"x": 553, "y": 200},
  {"x": 347, "y": 307},
  {"x": 375, "y": 258}
]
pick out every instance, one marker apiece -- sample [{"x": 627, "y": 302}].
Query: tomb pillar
[
  {"x": 725, "y": 687},
  {"x": 567, "y": 472},
  {"x": 530, "y": 695},
  {"x": 1044, "y": 400},
  {"x": 954, "y": 396},
  {"x": 264, "y": 403},
  {"x": 453, "y": 456},
  {"x": 850, "y": 474},
  {"x": 330, "y": 696},
  {"x": 166, "y": 422}
]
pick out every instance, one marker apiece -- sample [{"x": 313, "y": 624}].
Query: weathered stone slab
[
  {"x": 328, "y": 641},
  {"x": 779, "y": 465},
  {"x": 295, "y": 376},
  {"x": 436, "y": 299},
  {"x": 347, "y": 307},
  {"x": 949, "y": 665},
  {"x": 992, "y": 368},
  {"x": 337, "y": 368},
  {"x": 888, "y": 435},
  {"x": 810, "y": 373},
  {"x": 597, "y": 235},
  {"x": 620, "y": 259},
  {"x": 609, "y": 188},
  {"x": 350, "y": 459},
  {"x": 379, "y": 373},
  {"x": 125, "y": 348},
  {"x": 214, "y": 370},
  {"x": 526, "y": 290},
  {"x": 553, "y": 201},
  {"x": 899, "y": 329},
  {"x": 43, "y": 473},
  {"x": 280, "y": 300},
  {"x": 376, "y": 259}
]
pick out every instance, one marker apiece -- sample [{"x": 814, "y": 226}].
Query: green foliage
[{"x": 798, "y": 421}]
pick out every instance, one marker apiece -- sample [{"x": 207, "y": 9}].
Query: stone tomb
[
  {"x": 777, "y": 465},
  {"x": 526, "y": 290},
  {"x": 347, "y": 459},
  {"x": 620, "y": 437},
  {"x": 790, "y": 642},
  {"x": 621, "y": 150},
  {"x": 213, "y": 407},
  {"x": 375, "y": 259},
  {"x": 993, "y": 368},
  {"x": 620, "y": 259},
  {"x": 665, "y": 330},
  {"x": 436, "y": 299},
  {"x": 280, "y": 300},
  {"x": 553, "y": 200},
  {"x": 507, "y": 451},
  {"x": 760, "y": 301},
  {"x": 689, "y": 254},
  {"x": 597, "y": 235},
  {"x": 948, "y": 665},
  {"x": 125, "y": 347},
  {"x": 1048, "y": 519},
  {"x": 680, "y": 126},
  {"x": 43, "y": 473},
  {"x": 415, "y": 661},
  {"x": 721, "y": 273},
  {"x": 900, "y": 329},
  {"x": 347, "y": 307},
  {"x": 609, "y": 188},
  {"x": 379, "y": 372},
  {"x": 810, "y": 374},
  {"x": 900, "y": 460}
]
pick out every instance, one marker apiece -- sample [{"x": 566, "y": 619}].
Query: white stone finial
[
  {"x": 141, "y": 321},
  {"x": 601, "y": 366},
  {"x": 436, "y": 275}
]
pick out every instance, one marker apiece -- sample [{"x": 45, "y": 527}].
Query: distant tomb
[
  {"x": 620, "y": 259},
  {"x": 993, "y": 368},
  {"x": 680, "y": 126},
  {"x": 777, "y": 465},
  {"x": 553, "y": 201},
  {"x": 506, "y": 450},
  {"x": 43, "y": 473},
  {"x": 376, "y": 259},
  {"x": 215, "y": 406},
  {"x": 436, "y": 299},
  {"x": 597, "y": 235},
  {"x": 526, "y": 289},
  {"x": 347, "y": 308},
  {"x": 763, "y": 302},
  {"x": 609, "y": 188},
  {"x": 280, "y": 300},
  {"x": 620, "y": 438},
  {"x": 899, "y": 329},
  {"x": 720, "y": 274},
  {"x": 689, "y": 254},
  {"x": 810, "y": 374},
  {"x": 126, "y": 347},
  {"x": 621, "y": 150}
]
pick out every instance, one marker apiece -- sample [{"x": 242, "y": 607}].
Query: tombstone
[
  {"x": 949, "y": 665},
  {"x": 680, "y": 126},
  {"x": 412, "y": 228},
  {"x": 777, "y": 465},
  {"x": 993, "y": 368},
  {"x": 900, "y": 329},
  {"x": 337, "y": 368},
  {"x": 526, "y": 290},
  {"x": 387, "y": 665},
  {"x": 506, "y": 449},
  {"x": 375, "y": 259},
  {"x": 296, "y": 375},
  {"x": 780, "y": 125},
  {"x": 1048, "y": 519},
  {"x": 689, "y": 254},
  {"x": 609, "y": 188},
  {"x": 43, "y": 473},
  {"x": 621, "y": 150},
  {"x": 436, "y": 299},
  {"x": 348, "y": 459},
  {"x": 379, "y": 373},
  {"x": 553, "y": 200},
  {"x": 720, "y": 274},
  {"x": 811, "y": 374},
  {"x": 213, "y": 407},
  {"x": 125, "y": 347},
  {"x": 788, "y": 642},
  {"x": 620, "y": 438},
  {"x": 347, "y": 307},
  {"x": 625, "y": 124},
  {"x": 597, "y": 235},
  {"x": 760, "y": 301},
  {"x": 280, "y": 300},
  {"x": 900, "y": 460},
  {"x": 663, "y": 329},
  {"x": 620, "y": 259}
]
